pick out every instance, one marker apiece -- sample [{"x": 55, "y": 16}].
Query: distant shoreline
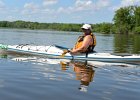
[{"x": 53, "y": 26}]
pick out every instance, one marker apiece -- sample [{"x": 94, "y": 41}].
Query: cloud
[
  {"x": 125, "y": 3},
  {"x": 30, "y": 8},
  {"x": 101, "y": 4},
  {"x": 49, "y": 2},
  {"x": 129, "y": 2},
  {"x": 48, "y": 9},
  {"x": 10, "y": 18},
  {"x": 90, "y": 5},
  {"x": 2, "y": 5},
  {"x": 85, "y": 5},
  {"x": 79, "y": 5}
]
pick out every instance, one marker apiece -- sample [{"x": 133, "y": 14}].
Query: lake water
[{"x": 36, "y": 78}]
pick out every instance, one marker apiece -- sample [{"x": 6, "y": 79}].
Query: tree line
[
  {"x": 126, "y": 20},
  {"x": 36, "y": 25}
]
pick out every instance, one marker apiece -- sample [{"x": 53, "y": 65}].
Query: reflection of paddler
[
  {"x": 63, "y": 65},
  {"x": 84, "y": 73}
]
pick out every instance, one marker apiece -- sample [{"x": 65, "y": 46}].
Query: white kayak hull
[{"x": 53, "y": 51}]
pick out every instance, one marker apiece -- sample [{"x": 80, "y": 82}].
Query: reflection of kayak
[
  {"x": 53, "y": 51},
  {"x": 44, "y": 61}
]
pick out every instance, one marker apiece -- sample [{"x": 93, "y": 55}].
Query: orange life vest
[{"x": 80, "y": 42}]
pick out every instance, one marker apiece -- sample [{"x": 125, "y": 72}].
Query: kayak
[{"x": 55, "y": 51}]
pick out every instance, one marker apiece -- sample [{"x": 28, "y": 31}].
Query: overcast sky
[{"x": 62, "y": 11}]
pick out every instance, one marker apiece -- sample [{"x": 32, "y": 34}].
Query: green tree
[
  {"x": 137, "y": 19},
  {"x": 3, "y": 23},
  {"x": 137, "y": 15},
  {"x": 123, "y": 20}
]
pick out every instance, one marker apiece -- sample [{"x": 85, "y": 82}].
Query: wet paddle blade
[{"x": 64, "y": 52}]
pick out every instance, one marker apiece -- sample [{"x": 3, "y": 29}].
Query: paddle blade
[{"x": 64, "y": 52}]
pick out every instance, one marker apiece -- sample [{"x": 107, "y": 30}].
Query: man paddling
[{"x": 86, "y": 42}]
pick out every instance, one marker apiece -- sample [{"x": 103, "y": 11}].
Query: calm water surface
[{"x": 36, "y": 78}]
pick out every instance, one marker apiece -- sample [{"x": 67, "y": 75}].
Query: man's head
[{"x": 86, "y": 27}]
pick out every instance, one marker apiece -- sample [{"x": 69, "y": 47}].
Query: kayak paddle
[{"x": 64, "y": 52}]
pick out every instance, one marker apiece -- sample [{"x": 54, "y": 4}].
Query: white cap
[{"x": 86, "y": 26}]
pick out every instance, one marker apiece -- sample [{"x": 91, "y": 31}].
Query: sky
[{"x": 62, "y": 11}]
